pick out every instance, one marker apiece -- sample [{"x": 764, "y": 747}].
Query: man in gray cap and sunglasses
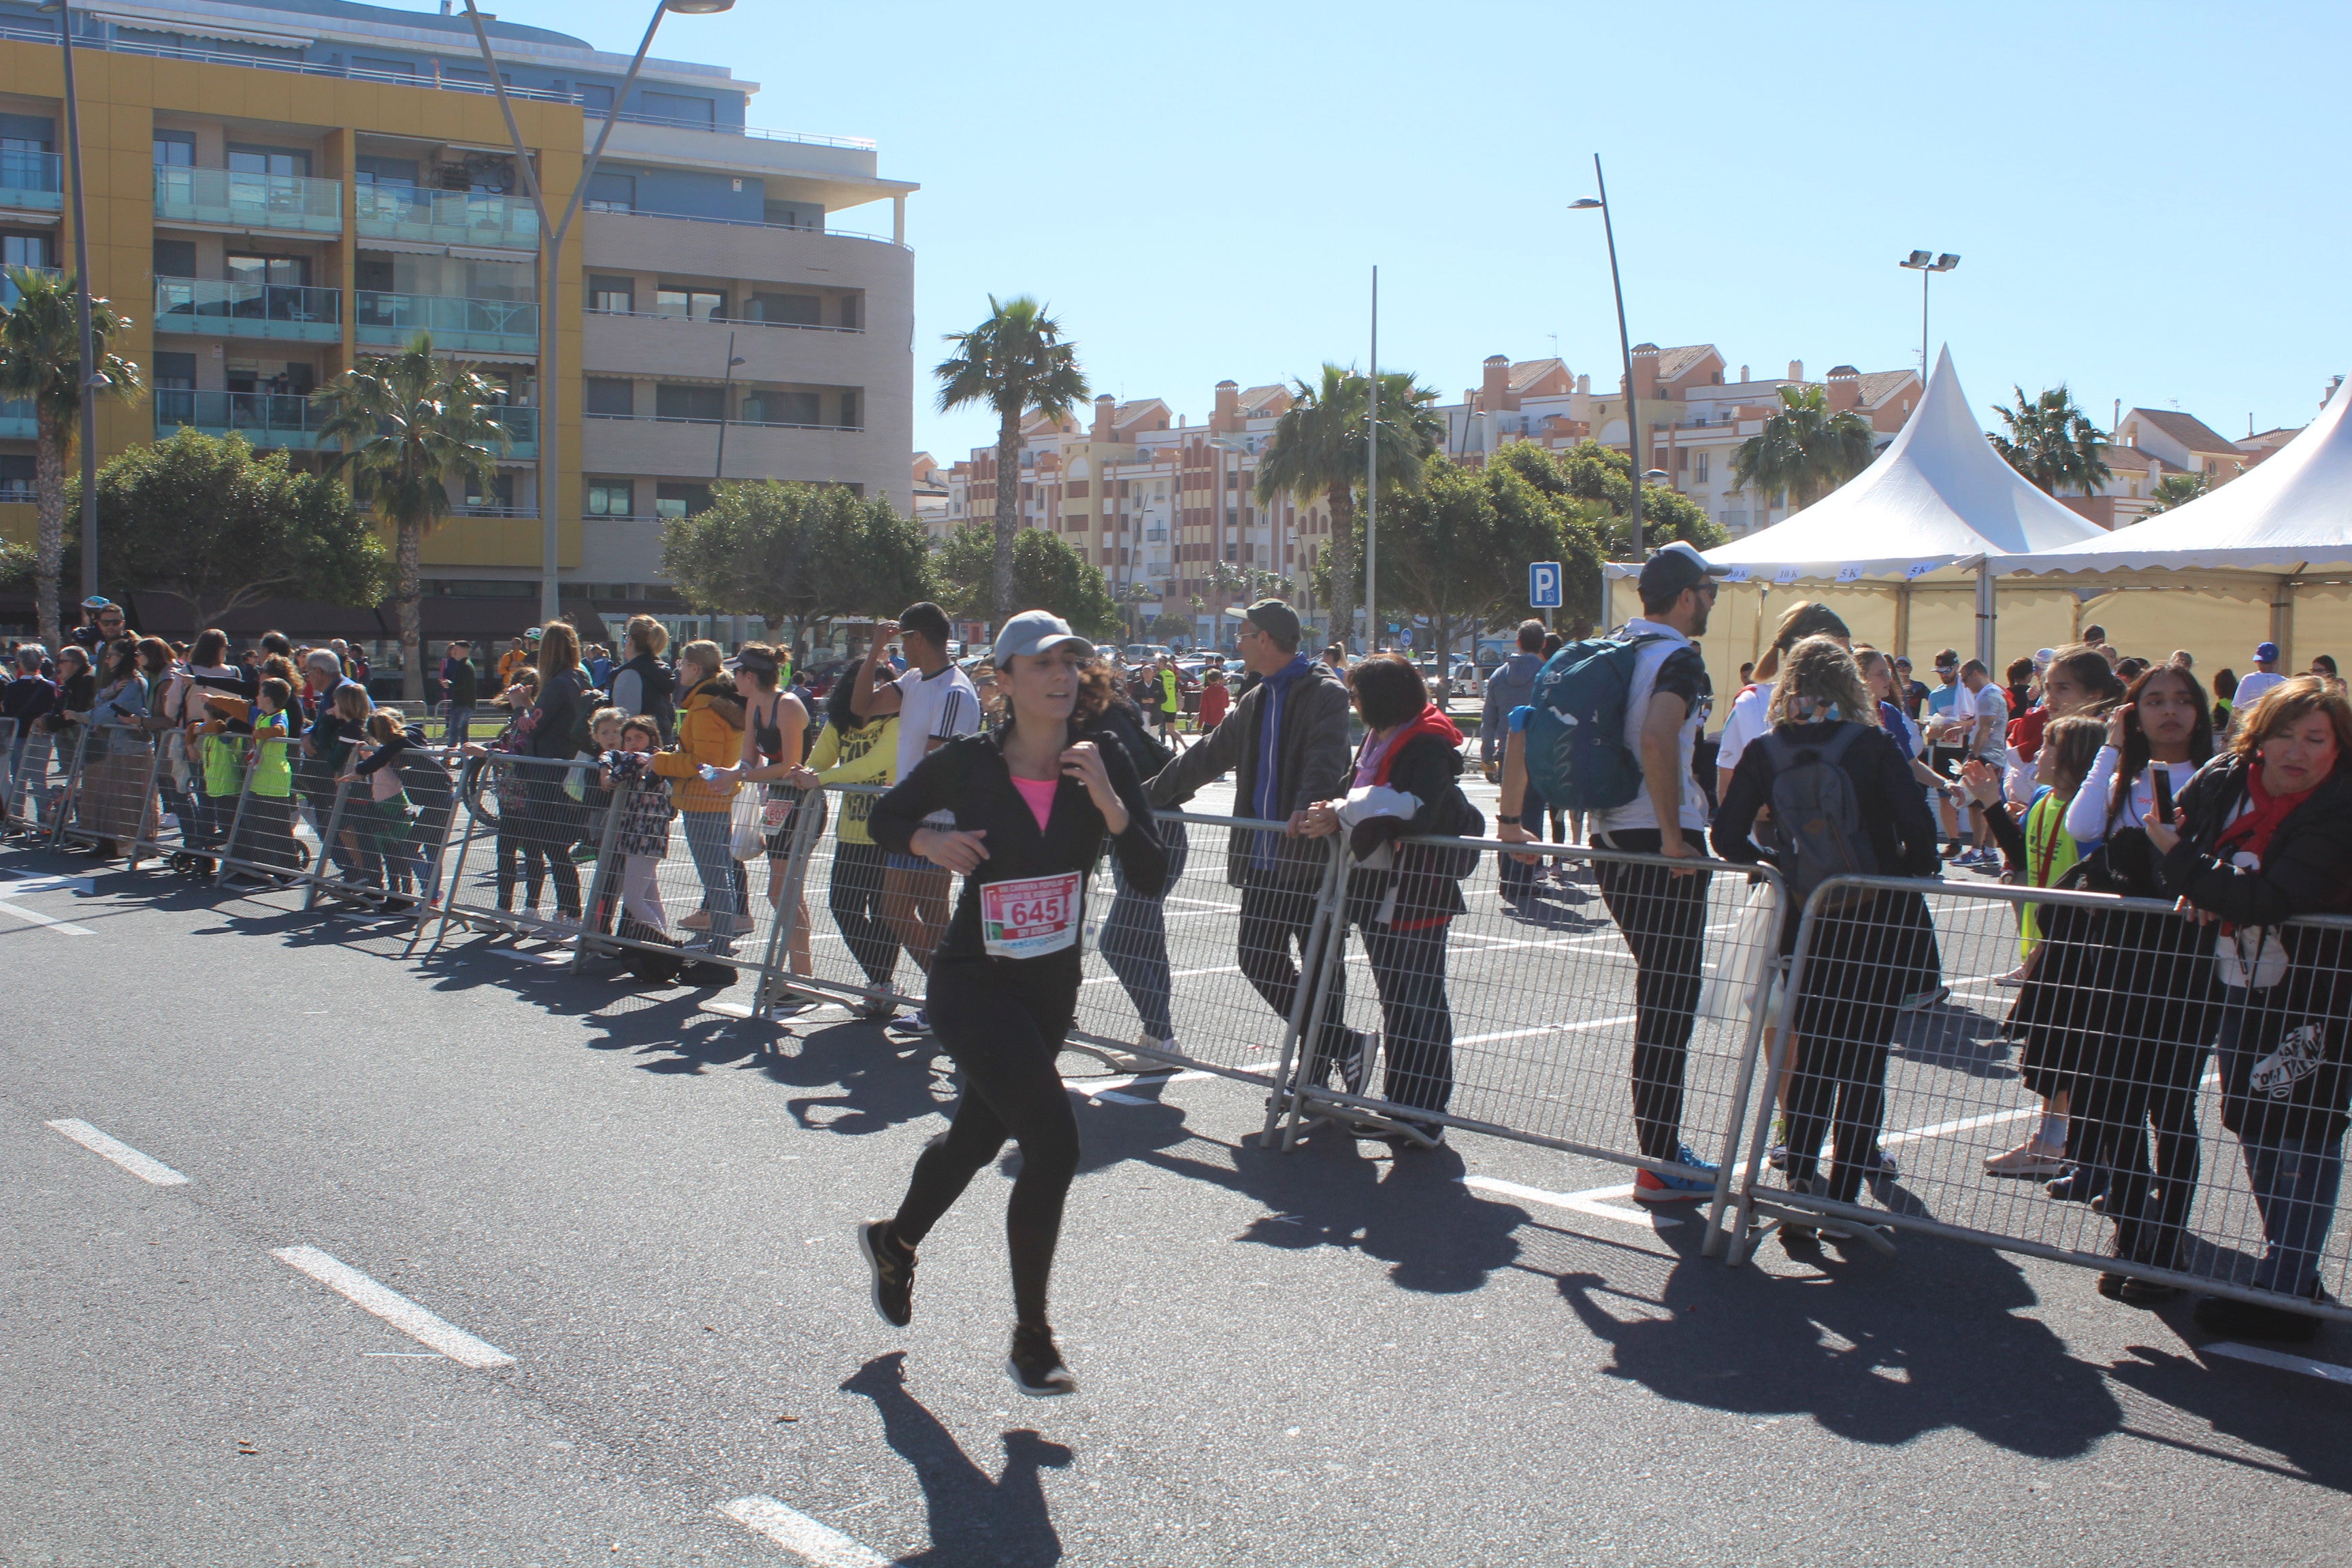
[{"x": 1286, "y": 740}]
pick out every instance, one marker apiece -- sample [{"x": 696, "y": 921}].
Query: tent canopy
[
  {"x": 1938, "y": 496},
  {"x": 2291, "y": 513}
]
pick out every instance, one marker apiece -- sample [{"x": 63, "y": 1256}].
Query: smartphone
[{"x": 2163, "y": 783}]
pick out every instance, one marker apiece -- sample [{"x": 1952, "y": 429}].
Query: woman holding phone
[{"x": 1032, "y": 800}]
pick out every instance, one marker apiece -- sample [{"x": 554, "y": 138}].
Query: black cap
[
  {"x": 1276, "y": 619},
  {"x": 1675, "y": 567}
]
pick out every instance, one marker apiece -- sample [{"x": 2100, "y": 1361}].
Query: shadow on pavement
[{"x": 973, "y": 1520}]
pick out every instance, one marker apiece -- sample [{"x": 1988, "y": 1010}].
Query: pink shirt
[{"x": 1039, "y": 794}]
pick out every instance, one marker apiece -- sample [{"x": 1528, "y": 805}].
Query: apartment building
[
  {"x": 1694, "y": 417},
  {"x": 1156, "y": 502},
  {"x": 277, "y": 190}
]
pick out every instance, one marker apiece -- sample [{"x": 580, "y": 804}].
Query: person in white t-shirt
[
  {"x": 1980, "y": 721},
  {"x": 2265, "y": 676},
  {"x": 935, "y": 704},
  {"x": 1747, "y": 720}
]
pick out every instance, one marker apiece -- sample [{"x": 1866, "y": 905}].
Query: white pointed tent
[
  {"x": 2267, "y": 543},
  {"x": 1906, "y": 549}
]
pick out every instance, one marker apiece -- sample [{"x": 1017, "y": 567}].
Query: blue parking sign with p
[{"x": 1543, "y": 584}]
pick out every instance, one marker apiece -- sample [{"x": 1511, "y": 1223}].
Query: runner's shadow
[
  {"x": 1867, "y": 1350},
  {"x": 1003, "y": 1522},
  {"x": 1412, "y": 1212},
  {"x": 2233, "y": 1401},
  {"x": 883, "y": 1084}
]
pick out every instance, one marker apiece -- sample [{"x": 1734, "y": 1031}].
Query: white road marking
[
  {"x": 64, "y": 927},
  {"x": 1964, "y": 1124},
  {"x": 805, "y": 1537},
  {"x": 1546, "y": 1029},
  {"x": 1173, "y": 974},
  {"x": 394, "y": 1307},
  {"x": 151, "y": 1171},
  {"x": 27, "y": 882},
  {"x": 2323, "y": 1368},
  {"x": 1586, "y": 1202}
]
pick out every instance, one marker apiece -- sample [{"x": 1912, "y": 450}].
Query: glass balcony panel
[
  {"x": 17, "y": 424},
  {"x": 448, "y": 217},
  {"x": 479, "y": 326},
  {"x": 248, "y": 310},
  {"x": 523, "y": 428},
  {"x": 32, "y": 181},
  {"x": 235, "y": 198},
  {"x": 263, "y": 418}
]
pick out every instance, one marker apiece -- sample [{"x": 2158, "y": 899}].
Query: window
[
  {"x": 1233, "y": 553},
  {"x": 595, "y": 98},
  {"x": 849, "y": 313},
  {"x": 370, "y": 170},
  {"x": 16, "y": 479},
  {"x": 378, "y": 67},
  {"x": 791, "y": 215},
  {"x": 610, "y": 396},
  {"x": 613, "y": 193},
  {"x": 694, "y": 304},
  {"x": 499, "y": 493},
  {"x": 785, "y": 309},
  {"x": 175, "y": 258},
  {"x": 614, "y": 296},
  {"x": 280, "y": 160},
  {"x": 849, "y": 411},
  {"x": 701, "y": 112},
  {"x": 680, "y": 499},
  {"x": 685, "y": 400},
  {"x": 175, "y": 148},
  {"x": 293, "y": 271},
  {"x": 609, "y": 498},
  {"x": 770, "y": 407},
  {"x": 27, "y": 251},
  {"x": 1702, "y": 467},
  {"x": 174, "y": 372}
]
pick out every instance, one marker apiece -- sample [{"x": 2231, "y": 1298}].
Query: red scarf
[
  {"x": 2251, "y": 833},
  {"x": 1428, "y": 721}
]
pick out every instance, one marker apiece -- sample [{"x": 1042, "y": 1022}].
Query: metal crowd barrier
[
  {"x": 260, "y": 837},
  {"x": 2118, "y": 1011},
  {"x": 387, "y": 855},
  {"x": 30, "y": 766},
  {"x": 111, "y": 787}
]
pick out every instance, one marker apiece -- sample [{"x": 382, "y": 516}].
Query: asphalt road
[{"x": 638, "y": 1209}]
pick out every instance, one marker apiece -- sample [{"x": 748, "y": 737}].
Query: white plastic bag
[
  {"x": 2250, "y": 958},
  {"x": 750, "y": 838},
  {"x": 1728, "y": 988}
]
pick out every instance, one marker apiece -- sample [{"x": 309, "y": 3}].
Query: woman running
[{"x": 1033, "y": 800}]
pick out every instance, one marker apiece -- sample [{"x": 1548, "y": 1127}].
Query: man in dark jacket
[
  {"x": 1512, "y": 685},
  {"x": 464, "y": 688},
  {"x": 1286, "y": 741}
]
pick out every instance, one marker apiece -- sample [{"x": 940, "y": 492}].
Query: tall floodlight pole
[
  {"x": 86, "y": 373},
  {"x": 1926, "y": 267},
  {"x": 1633, "y": 454},
  {"x": 553, "y": 232},
  {"x": 1372, "y": 482}
]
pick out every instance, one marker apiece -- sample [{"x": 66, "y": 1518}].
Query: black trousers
[
  {"x": 1002, "y": 1023},
  {"x": 854, "y": 896},
  {"x": 1275, "y": 919},
  {"x": 1663, "y": 918},
  {"x": 1417, "y": 1021}
]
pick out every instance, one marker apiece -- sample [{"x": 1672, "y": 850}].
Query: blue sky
[{"x": 2147, "y": 198}]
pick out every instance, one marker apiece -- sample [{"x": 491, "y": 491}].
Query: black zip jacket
[
  {"x": 2307, "y": 870},
  {"x": 969, "y": 778},
  {"x": 1424, "y": 875}
]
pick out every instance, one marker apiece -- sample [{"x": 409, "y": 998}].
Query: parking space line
[
  {"x": 1546, "y": 1029},
  {"x": 1586, "y": 1202},
  {"x": 151, "y": 1171},
  {"x": 807, "y": 1538},
  {"x": 63, "y": 927},
  {"x": 394, "y": 1307}
]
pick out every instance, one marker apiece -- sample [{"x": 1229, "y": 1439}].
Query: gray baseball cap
[{"x": 1037, "y": 631}]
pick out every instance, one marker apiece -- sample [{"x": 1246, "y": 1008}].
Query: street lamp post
[
  {"x": 1373, "y": 483},
  {"x": 1633, "y": 453},
  {"x": 1926, "y": 267},
  {"x": 725, "y": 391},
  {"x": 86, "y": 373},
  {"x": 553, "y": 232}
]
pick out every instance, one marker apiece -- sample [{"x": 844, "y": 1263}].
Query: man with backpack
[
  {"x": 1611, "y": 730},
  {"x": 1511, "y": 686}
]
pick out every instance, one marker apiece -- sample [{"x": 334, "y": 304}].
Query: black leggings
[
  {"x": 1004, "y": 1029},
  {"x": 1663, "y": 918},
  {"x": 855, "y": 895}
]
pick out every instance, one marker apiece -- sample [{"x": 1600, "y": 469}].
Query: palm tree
[
  {"x": 1803, "y": 449},
  {"x": 2175, "y": 489},
  {"x": 1318, "y": 450},
  {"x": 40, "y": 363},
  {"x": 2053, "y": 443},
  {"x": 1012, "y": 362},
  {"x": 411, "y": 425}
]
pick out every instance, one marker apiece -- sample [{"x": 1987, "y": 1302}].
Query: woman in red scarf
[
  {"x": 1403, "y": 897},
  {"x": 2263, "y": 835}
]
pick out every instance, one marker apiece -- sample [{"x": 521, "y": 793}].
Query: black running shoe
[
  {"x": 1036, "y": 1366},
  {"x": 893, "y": 1263}
]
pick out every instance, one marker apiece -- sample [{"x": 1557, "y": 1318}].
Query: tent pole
[
  {"x": 1985, "y": 611},
  {"x": 1902, "y": 620},
  {"x": 2282, "y": 621}
]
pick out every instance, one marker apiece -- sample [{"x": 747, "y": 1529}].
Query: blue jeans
[
  {"x": 459, "y": 719},
  {"x": 723, "y": 882},
  {"x": 2294, "y": 1185},
  {"x": 1135, "y": 938}
]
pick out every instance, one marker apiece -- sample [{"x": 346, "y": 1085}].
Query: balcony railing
[
  {"x": 487, "y": 509},
  {"x": 263, "y": 418},
  {"x": 248, "y": 310},
  {"x": 748, "y": 222},
  {"x": 234, "y": 198},
  {"x": 291, "y": 64},
  {"x": 32, "y": 181},
  {"x": 722, "y": 320},
  {"x": 472, "y": 326},
  {"x": 446, "y": 218},
  {"x": 523, "y": 429},
  {"x": 746, "y": 423}
]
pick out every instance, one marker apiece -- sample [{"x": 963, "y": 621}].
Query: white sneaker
[{"x": 2029, "y": 1158}]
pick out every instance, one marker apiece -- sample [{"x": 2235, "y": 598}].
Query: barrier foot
[{"x": 1871, "y": 1236}]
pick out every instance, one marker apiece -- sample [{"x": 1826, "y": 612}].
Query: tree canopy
[
  {"x": 1804, "y": 450},
  {"x": 2175, "y": 489},
  {"x": 2053, "y": 443},
  {"x": 795, "y": 553},
  {"x": 1591, "y": 471},
  {"x": 208, "y": 521},
  {"x": 1047, "y": 575}
]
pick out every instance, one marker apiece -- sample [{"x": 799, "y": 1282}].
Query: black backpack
[{"x": 1817, "y": 829}]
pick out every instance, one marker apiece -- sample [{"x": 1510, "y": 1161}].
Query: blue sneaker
[
  {"x": 1652, "y": 1188},
  {"x": 912, "y": 1026}
]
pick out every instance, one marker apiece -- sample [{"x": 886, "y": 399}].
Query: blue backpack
[{"x": 1576, "y": 752}]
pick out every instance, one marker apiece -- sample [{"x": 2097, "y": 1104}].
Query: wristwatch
[{"x": 1500, "y": 819}]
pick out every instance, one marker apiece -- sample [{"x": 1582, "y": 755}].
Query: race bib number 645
[{"x": 1030, "y": 918}]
